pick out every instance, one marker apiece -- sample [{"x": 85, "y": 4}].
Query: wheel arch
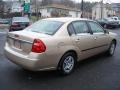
[
  {"x": 69, "y": 51},
  {"x": 114, "y": 40}
]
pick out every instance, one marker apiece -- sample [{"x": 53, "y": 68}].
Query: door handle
[
  {"x": 77, "y": 40},
  {"x": 95, "y": 38}
]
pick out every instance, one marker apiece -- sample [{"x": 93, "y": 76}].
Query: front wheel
[
  {"x": 67, "y": 63},
  {"x": 111, "y": 49}
]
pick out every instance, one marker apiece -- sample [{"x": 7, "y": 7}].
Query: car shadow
[{"x": 97, "y": 58}]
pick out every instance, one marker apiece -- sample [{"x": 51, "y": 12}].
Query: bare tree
[{"x": 1, "y": 8}]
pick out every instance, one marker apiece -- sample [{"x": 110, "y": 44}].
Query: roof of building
[
  {"x": 66, "y": 19},
  {"x": 61, "y": 7}
]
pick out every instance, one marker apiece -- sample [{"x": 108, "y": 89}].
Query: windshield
[{"x": 45, "y": 27}]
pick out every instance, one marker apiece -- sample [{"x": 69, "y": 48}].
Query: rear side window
[{"x": 80, "y": 27}]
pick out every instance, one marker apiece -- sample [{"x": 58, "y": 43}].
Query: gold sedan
[{"x": 58, "y": 44}]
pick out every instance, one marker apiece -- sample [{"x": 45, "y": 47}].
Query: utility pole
[
  {"x": 36, "y": 9},
  {"x": 22, "y": 12},
  {"x": 82, "y": 8},
  {"x": 101, "y": 9}
]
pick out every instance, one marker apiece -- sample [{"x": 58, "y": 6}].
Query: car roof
[{"x": 66, "y": 19}]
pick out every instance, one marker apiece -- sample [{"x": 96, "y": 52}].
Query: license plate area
[
  {"x": 22, "y": 26},
  {"x": 17, "y": 44}
]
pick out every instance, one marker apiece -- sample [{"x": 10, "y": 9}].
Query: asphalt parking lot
[{"x": 96, "y": 73}]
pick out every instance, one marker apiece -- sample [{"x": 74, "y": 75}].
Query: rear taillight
[
  {"x": 38, "y": 46},
  {"x": 14, "y": 24}
]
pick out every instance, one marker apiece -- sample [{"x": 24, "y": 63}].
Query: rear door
[
  {"x": 101, "y": 38},
  {"x": 82, "y": 38}
]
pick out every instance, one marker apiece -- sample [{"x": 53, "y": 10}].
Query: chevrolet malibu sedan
[{"x": 58, "y": 44}]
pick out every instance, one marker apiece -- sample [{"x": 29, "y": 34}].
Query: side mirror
[{"x": 106, "y": 31}]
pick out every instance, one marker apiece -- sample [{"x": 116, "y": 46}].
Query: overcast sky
[
  {"x": 108, "y": 1},
  {"x": 105, "y": 1}
]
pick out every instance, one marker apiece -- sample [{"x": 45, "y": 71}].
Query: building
[
  {"x": 116, "y": 6},
  {"x": 7, "y": 6},
  {"x": 16, "y": 7},
  {"x": 102, "y": 11},
  {"x": 57, "y": 10},
  {"x": 87, "y": 15},
  {"x": 1, "y": 7}
]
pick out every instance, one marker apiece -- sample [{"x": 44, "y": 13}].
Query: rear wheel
[
  {"x": 111, "y": 49},
  {"x": 67, "y": 63}
]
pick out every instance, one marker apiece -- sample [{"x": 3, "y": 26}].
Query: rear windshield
[
  {"x": 20, "y": 19},
  {"x": 45, "y": 27}
]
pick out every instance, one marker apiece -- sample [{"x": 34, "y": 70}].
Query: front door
[{"x": 101, "y": 38}]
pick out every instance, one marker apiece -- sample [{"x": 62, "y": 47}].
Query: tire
[
  {"x": 111, "y": 49},
  {"x": 67, "y": 63},
  {"x": 117, "y": 26}
]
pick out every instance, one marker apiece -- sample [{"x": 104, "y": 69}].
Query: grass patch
[{"x": 4, "y": 28}]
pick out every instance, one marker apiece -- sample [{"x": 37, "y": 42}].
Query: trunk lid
[{"x": 22, "y": 40}]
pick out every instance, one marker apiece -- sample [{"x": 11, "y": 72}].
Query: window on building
[{"x": 48, "y": 10}]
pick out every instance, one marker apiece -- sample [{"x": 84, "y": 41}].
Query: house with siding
[
  {"x": 116, "y": 6},
  {"x": 60, "y": 10},
  {"x": 102, "y": 11}
]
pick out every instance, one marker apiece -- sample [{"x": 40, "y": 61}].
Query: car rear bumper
[{"x": 26, "y": 62}]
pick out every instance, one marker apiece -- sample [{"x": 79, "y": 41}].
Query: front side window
[
  {"x": 45, "y": 27},
  {"x": 95, "y": 27},
  {"x": 80, "y": 27}
]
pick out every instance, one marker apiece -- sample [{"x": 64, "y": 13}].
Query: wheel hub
[{"x": 68, "y": 64}]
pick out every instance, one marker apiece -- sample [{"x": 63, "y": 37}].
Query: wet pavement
[{"x": 96, "y": 73}]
